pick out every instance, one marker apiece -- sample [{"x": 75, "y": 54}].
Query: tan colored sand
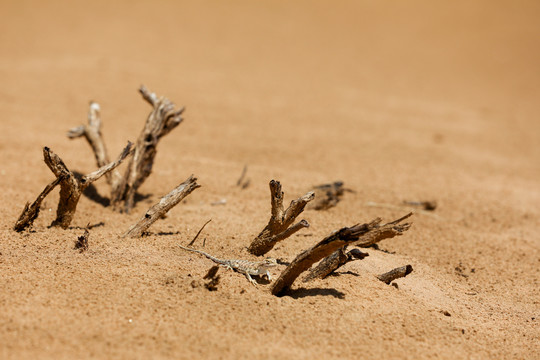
[{"x": 401, "y": 100}]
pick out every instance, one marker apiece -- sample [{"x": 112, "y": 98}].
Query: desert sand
[{"x": 415, "y": 100}]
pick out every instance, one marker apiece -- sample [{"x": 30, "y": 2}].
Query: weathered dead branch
[
  {"x": 82, "y": 241},
  {"x": 165, "y": 204},
  {"x": 279, "y": 227},
  {"x": 31, "y": 212},
  {"x": 72, "y": 188},
  {"x": 368, "y": 233},
  {"x": 333, "y": 262},
  {"x": 396, "y": 273},
  {"x": 327, "y": 195},
  {"x": 161, "y": 120},
  {"x": 92, "y": 134}
]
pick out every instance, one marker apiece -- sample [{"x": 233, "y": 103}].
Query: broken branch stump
[
  {"x": 72, "y": 188},
  {"x": 31, "y": 212},
  {"x": 394, "y": 274},
  {"x": 165, "y": 204},
  {"x": 333, "y": 262},
  {"x": 280, "y": 224},
  {"x": 366, "y": 233},
  {"x": 161, "y": 120}
]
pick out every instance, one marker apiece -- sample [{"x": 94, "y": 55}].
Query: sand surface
[{"x": 414, "y": 100}]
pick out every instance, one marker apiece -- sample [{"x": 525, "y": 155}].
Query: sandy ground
[{"x": 413, "y": 100}]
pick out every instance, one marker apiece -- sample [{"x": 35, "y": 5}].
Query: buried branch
[
  {"x": 280, "y": 224},
  {"x": 333, "y": 262},
  {"x": 162, "y": 119},
  {"x": 369, "y": 233},
  {"x": 328, "y": 195},
  {"x": 72, "y": 188},
  {"x": 396, "y": 273},
  {"x": 165, "y": 204}
]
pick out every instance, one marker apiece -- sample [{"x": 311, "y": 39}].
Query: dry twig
[
  {"x": 333, "y": 262},
  {"x": 242, "y": 182},
  {"x": 72, "y": 188},
  {"x": 162, "y": 119},
  {"x": 362, "y": 235},
  {"x": 196, "y": 236},
  {"x": 394, "y": 274},
  {"x": 165, "y": 204},
  {"x": 279, "y": 227},
  {"x": 31, "y": 212}
]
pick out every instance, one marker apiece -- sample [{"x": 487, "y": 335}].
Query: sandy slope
[{"x": 411, "y": 100}]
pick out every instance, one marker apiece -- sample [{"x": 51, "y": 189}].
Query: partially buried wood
[
  {"x": 368, "y": 233},
  {"x": 280, "y": 226},
  {"x": 327, "y": 195},
  {"x": 162, "y": 119},
  {"x": 396, "y": 273},
  {"x": 31, "y": 211},
  {"x": 82, "y": 241},
  {"x": 72, "y": 188},
  {"x": 333, "y": 262},
  {"x": 165, "y": 204}
]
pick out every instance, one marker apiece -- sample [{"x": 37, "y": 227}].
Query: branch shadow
[
  {"x": 303, "y": 292},
  {"x": 91, "y": 192}
]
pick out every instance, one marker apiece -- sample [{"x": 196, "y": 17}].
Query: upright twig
[
  {"x": 280, "y": 225},
  {"x": 31, "y": 212},
  {"x": 358, "y": 234},
  {"x": 165, "y": 204},
  {"x": 198, "y": 233},
  {"x": 72, "y": 188},
  {"x": 162, "y": 119}
]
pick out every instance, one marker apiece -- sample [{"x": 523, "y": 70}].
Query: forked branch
[
  {"x": 280, "y": 225},
  {"x": 372, "y": 232},
  {"x": 72, "y": 188},
  {"x": 165, "y": 204}
]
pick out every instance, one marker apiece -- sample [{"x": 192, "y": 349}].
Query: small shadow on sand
[
  {"x": 344, "y": 273},
  {"x": 303, "y": 292}
]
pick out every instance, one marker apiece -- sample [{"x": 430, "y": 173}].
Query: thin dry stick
[
  {"x": 196, "y": 236},
  {"x": 366, "y": 233},
  {"x": 165, "y": 204},
  {"x": 161, "y": 120},
  {"x": 31, "y": 212},
  {"x": 72, "y": 188},
  {"x": 396, "y": 273},
  {"x": 333, "y": 262},
  {"x": 243, "y": 184},
  {"x": 279, "y": 227}
]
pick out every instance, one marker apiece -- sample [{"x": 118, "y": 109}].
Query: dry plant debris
[
  {"x": 82, "y": 241},
  {"x": 198, "y": 233},
  {"x": 71, "y": 189},
  {"x": 333, "y": 262},
  {"x": 429, "y": 205},
  {"x": 396, "y": 273},
  {"x": 359, "y": 235},
  {"x": 242, "y": 182},
  {"x": 166, "y": 203},
  {"x": 162, "y": 119},
  {"x": 246, "y": 267},
  {"x": 280, "y": 224},
  {"x": 327, "y": 195}
]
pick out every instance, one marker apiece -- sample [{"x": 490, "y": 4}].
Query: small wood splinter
[
  {"x": 368, "y": 233},
  {"x": 165, "y": 204},
  {"x": 82, "y": 241},
  {"x": 280, "y": 224}
]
